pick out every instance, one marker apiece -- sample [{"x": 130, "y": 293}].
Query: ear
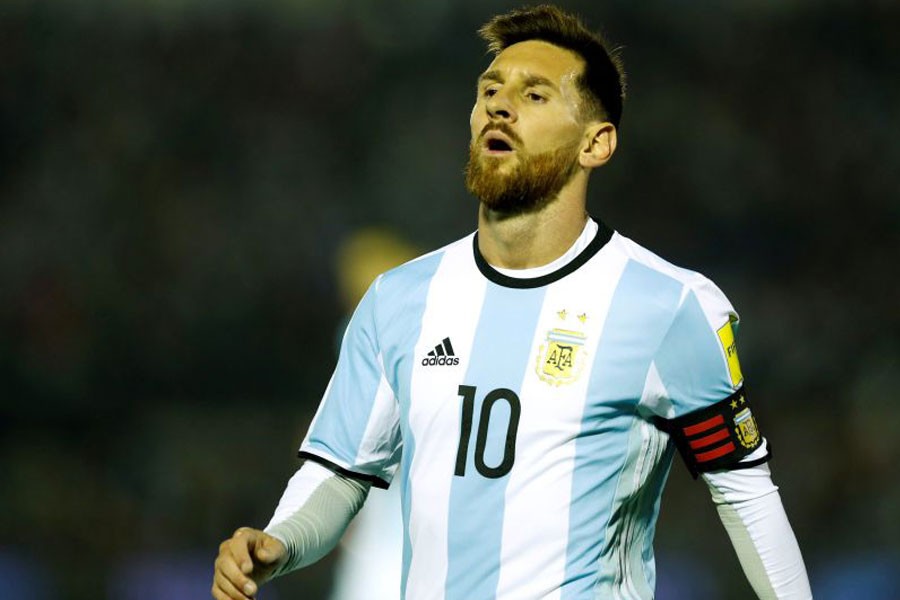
[{"x": 599, "y": 145}]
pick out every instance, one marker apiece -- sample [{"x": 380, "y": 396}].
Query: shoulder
[
  {"x": 688, "y": 281},
  {"x": 652, "y": 261},
  {"x": 416, "y": 274}
]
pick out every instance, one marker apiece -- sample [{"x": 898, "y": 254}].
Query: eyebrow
[{"x": 530, "y": 80}]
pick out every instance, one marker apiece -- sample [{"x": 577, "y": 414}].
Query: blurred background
[{"x": 181, "y": 183}]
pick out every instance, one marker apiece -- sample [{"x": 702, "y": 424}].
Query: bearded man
[{"x": 528, "y": 386}]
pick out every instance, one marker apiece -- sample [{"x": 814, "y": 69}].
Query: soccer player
[{"x": 528, "y": 385}]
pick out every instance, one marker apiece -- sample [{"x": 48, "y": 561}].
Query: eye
[
  {"x": 535, "y": 97},
  {"x": 489, "y": 92}
]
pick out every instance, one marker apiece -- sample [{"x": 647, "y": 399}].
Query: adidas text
[{"x": 430, "y": 361}]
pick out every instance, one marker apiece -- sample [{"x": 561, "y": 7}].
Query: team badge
[
  {"x": 746, "y": 430},
  {"x": 561, "y": 357},
  {"x": 726, "y": 337}
]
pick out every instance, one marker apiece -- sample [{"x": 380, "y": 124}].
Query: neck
[{"x": 534, "y": 239}]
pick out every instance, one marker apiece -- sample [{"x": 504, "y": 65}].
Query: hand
[{"x": 244, "y": 563}]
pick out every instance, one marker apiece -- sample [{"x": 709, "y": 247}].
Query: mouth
[{"x": 497, "y": 144}]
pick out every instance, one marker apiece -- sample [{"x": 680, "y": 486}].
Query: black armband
[{"x": 716, "y": 437}]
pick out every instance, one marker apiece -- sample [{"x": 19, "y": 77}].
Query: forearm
[
  {"x": 753, "y": 516},
  {"x": 313, "y": 514}
]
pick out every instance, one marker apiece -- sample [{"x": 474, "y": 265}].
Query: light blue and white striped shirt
[{"x": 520, "y": 414}]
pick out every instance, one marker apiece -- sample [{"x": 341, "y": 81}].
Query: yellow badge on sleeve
[{"x": 726, "y": 337}]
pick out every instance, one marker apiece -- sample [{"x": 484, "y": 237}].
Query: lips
[{"x": 496, "y": 142}]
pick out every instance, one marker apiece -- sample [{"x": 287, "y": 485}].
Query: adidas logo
[{"x": 441, "y": 355}]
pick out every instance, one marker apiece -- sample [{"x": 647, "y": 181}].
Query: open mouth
[{"x": 497, "y": 144}]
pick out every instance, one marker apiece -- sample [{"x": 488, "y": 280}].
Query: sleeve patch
[
  {"x": 715, "y": 437},
  {"x": 726, "y": 338}
]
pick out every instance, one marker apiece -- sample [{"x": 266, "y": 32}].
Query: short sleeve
[
  {"x": 697, "y": 359},
  {"x": 700, "y": 393},
  {"x": 356, "y": 428}
]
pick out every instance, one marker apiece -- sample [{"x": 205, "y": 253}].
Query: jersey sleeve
[
  {"x": 699, "y": 396},
  {"x": 356, "y": 429}
]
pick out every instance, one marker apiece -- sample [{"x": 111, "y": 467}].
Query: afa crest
[
  {"x": 561, "y": 357},
  {"x": 746, "y": 430}
]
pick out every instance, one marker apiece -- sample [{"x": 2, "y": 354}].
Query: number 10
[{"x": 465, "y": 431}]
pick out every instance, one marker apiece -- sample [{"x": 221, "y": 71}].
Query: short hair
[{"x": 603, "y": 81}]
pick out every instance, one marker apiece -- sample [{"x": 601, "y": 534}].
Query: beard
[{"x": 529, "y": 186}]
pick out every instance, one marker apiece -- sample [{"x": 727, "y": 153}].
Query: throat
[{"x": 518, "y": 246}]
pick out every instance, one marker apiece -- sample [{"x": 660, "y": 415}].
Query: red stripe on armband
[
  {"x": 712, "y": 438},
  {"x": 704, "y": 425},
  {"x": 715, "y": 453}
]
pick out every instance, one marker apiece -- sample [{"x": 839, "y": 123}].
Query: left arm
[
  {"x": 698, "y": 397},
  {"x": 750, "y": 508}
]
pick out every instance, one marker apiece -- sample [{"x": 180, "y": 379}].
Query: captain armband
[{"x": 716, "y": 437}]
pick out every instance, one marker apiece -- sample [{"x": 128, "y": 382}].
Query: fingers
[
  {"x": 230, "y": 571},
  {"x": 223, "y": 589},
  {"x": 232, "y": 567},
  {"x": 239, "y": 545}
]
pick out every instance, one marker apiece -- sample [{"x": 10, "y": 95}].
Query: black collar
[{"x": 604, "y": 234}]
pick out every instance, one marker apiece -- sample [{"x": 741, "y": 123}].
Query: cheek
[
  {"x": 542, "y": 140},
  {"x": 476, "y": 120},
  {"x": 561, "y": 133}
]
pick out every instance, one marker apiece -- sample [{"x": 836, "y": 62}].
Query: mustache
[{"x": 502, "y": 128}]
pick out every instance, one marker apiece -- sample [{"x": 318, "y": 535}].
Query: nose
[{"x": 500, "y": 108}]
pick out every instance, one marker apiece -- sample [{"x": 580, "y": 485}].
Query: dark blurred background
[{"x": 178, "y": 178}]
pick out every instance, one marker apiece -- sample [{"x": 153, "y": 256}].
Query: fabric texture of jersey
[{"x": 521, "y": 414}]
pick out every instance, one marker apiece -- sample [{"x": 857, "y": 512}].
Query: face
[{"x": 526, "y": 129}]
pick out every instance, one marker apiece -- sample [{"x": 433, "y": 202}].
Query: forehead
[{"x": 538, "y": 58}]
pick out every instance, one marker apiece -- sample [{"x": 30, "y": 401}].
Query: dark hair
[{"x": 603, "y": 82}]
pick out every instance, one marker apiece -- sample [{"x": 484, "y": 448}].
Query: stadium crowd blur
[{"x": 178, "y": 180}]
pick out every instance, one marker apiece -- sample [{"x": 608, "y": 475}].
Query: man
[{"x": 538, "y": 375}]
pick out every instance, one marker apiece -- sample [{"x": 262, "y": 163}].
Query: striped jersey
[{"x": 523, "y": 415}]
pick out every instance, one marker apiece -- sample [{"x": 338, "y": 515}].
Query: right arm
[
  {"x": 313, "y": 514},
  {"x": 311, "y": 517},
  {"x": 353, "y": 442}
]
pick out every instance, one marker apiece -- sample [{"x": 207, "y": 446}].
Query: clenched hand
[{"x": 245, "y": 562}]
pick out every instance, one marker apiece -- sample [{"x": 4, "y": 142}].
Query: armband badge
[
  {"x": 716, "y": 437},
  {"x": 746, "y": 429}
]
